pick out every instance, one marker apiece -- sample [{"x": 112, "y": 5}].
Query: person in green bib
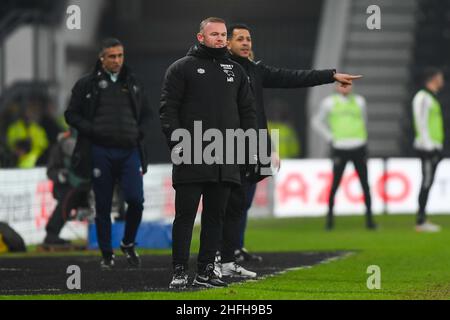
[
  {"x": 342, "y": 120},
  {"x": 429, "y": 140}
]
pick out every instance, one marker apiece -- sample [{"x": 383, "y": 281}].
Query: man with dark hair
[
  {"x": 261, "y": 76},
  {"x": 110, "y": 111},
  {"x": 204, "y": 87},
  {"x": 429, "y": 141}
]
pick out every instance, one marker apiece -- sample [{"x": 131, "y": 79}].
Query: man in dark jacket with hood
[
  {"x": 110, "y": 112},
  {"x": 261, "y": 76},
  {"x": 209, "y": 89}
]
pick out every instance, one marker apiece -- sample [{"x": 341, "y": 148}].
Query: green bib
[
  {"x": 435, "y": 121},
  {"x": 346, "y": 120}
]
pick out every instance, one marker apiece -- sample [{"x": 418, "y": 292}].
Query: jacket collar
[
  {"x": 99, "y": 72},
  {"x": 202, "y": 51},
  {"x": 242, "y": 61}
]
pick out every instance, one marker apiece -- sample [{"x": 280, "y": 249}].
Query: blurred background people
[
  {"x": 342, "y": 121},
  {"x": 26, "y": 138},
  {"x": 70, "y": 190},
  {"x": 289, "y": 144},
  {"x": 429, "y": 141},
  {"x": 53, "y": 123}
]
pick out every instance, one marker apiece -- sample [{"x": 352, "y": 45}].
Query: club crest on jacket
[{"x": 103, "y": 84}]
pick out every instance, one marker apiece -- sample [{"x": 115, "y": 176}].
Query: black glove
[
  {"x": 175, "y": 150},
  {"x": 178, "y": 150},
  {"x": 252, "y": 170},
  {"x": 63, "y": 175}
]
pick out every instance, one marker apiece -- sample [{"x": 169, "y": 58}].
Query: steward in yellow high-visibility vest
[
  {"x": 289, "y": 144},
  {"x": 28, "y": 141},
  {"x": 342, "y": 121}
]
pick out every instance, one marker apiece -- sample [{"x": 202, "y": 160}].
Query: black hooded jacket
[
  {"x": 206, "y": 86},
  {"x": 81, "y": 111}
]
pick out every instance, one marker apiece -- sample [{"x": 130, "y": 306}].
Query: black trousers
[
  {"x": 430, "y": 161},
  {"x": 187, "y": 198},
  {"x": 68, "y": 198},
  {"x": 236, "y": 219},
  {"x": 359, "y": 158}
]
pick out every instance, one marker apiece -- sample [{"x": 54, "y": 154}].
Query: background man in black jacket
[
  {"x": 204, "y": 86},
  {"x": 261, "y": 76},
  {"x": 109, "y": 110}
]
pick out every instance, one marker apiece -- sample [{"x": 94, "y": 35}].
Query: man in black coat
[
  {"x": 110, "y": 112},
  {"x": 209, "y": 89},
  {"x": 261, "y": 76}
]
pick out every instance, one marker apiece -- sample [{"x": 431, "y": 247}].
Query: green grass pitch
[{"x": 413, "y": 265}]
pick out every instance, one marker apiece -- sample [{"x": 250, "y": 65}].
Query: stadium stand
[
  {"x": 383, "y": 57},
  {"x": 431, "y": 49}
]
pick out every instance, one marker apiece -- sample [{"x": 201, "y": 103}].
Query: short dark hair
[
  {"x": 234, "y": 26},
  {"x": 429, "y": 73},
  {"x": 210, "y": 20},
  {"x": 109, "y": 43}
]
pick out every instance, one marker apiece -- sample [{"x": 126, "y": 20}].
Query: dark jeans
[
  {"x": 111, "y": 165},
  {"x": 359, "y": 158},
  {"x": 187, "y": 198},
  {"x": 235, "y": 221},
  {"x": 430, "y": 161}
]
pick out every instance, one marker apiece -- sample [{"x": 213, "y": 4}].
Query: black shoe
[
  {"x": 52, "y": 240},
  {"x": 131, "y": 254},
  {"x": 107, "y": 262},
  {"x": 243, "y": 255},
  {"x": 208, "y": 279},
  {"x": 370, "y": 225},
  {"x": 179, "y": 279},
  {"x": 329, "y": 225}
]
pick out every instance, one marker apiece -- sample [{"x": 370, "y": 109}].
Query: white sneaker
[
  {"x": 428, "y": 227},
  {"x": 232, "y": 269}
]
